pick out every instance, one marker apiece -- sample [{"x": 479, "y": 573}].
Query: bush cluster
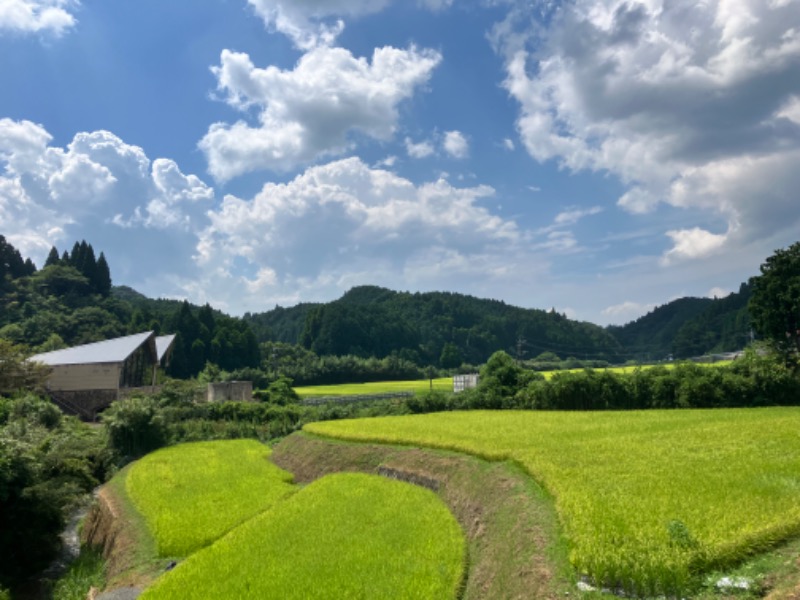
[
  {"x": 754, "y": 380},
  {"x": 48, "y": 462},
  {"x": 751, "y": 381}
]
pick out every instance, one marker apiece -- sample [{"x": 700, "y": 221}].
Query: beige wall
[
  {"x": 100, "y": 376},
  {"x": 230, "y": 391}
]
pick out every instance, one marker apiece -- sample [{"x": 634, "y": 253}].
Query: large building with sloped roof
[{"x": 85, "y": 379}]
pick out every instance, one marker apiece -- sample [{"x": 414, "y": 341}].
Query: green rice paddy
[
  {"x": 192, "y": 494},
  {"x": 421, "y": 386},
  {"x": 649, "y": 500},
  {"x": 343, "y": 536}
]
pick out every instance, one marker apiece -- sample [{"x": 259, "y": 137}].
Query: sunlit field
[
  {"x": 343, "y": 536},
  {"x": 648, "y": 499},
  {"x": 421, "y": 386},
  {"x": 192, "y": 494}
]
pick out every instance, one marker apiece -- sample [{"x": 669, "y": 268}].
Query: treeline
[
  {"x": 305, "y": 367},
  {"x": 70, "y": 301},
  {"x": 369, "y": 334},
  {"x": 688, "y": 327},
  {"x": 431, "y": 329},
  {"x": 751, "y": 381},
  {"x": 83, "y": 260}
]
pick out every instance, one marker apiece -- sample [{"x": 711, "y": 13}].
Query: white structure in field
[{"x": 464, "y": 382}]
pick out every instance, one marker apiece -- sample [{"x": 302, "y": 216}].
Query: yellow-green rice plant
[
  {"x": 421, "y": 386},
  {"x": 192, "y": 494},
  {"x": 344, "y": 536},
  {"x": 647, "y": 499}
]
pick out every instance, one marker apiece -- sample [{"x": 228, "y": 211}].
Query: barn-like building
[{"x": 86, "y": 379}]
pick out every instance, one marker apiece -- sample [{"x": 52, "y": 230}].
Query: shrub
[{"x": 135, "y": 426}]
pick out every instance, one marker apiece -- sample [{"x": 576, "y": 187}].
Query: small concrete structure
[
  {"x": 86, "y": 379},
  {"x": 464, "y": 382},
  {"x": 230, "y": 391}
]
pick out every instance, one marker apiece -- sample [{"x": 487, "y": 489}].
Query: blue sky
[{"x": 597, "y": 156}]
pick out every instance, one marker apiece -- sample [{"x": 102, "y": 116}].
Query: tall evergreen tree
[
  {"x": 89, "y": 264},
  {"x": 12, "y": 263},
  {"x": 206, "y": 316},
  {"x": 30, "y": 268},
  {"x": 75, "y": 255},
  {"x": 102, "y": 277},
  {"x": 52, "y": 258}
]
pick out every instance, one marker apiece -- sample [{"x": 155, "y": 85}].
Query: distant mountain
[
  {"x": 439, "y": 328},
  {"x": 688, "y": 327}
]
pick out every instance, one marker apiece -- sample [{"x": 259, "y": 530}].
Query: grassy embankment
[
  {"x": 649, "y": 500},
  {"x": 250, "y": 533}
]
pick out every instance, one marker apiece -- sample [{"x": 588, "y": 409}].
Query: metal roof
[
  {"x": 163, "y": 343},
  {"x": 110, "y": 351}
]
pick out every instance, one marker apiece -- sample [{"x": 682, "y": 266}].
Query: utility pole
[{"x": 521, "y": 341}]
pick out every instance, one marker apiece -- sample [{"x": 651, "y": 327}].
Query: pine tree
[
  {"x": 89, "y": 266},
  {"x": 102, "y": 278},
  {"x": 52, "y": 258},
  {"x": 29, "y": 268},
  {"x": 75, "y": 256}
]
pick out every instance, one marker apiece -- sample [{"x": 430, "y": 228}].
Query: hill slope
[
  {"x": 688, "y": 327},
  {"x": 432, "y": 328}
]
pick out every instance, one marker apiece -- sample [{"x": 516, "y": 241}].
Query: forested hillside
[
  {"x": 71, "y": 301},
  {"x": 688, "y": 327},
  {"x": 437, "y": 328}
]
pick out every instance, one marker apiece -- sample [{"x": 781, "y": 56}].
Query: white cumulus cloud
[
  {"x": 456, "y": 144},
  {"x": 626, "y": 311},
  {"x": 312, "y": 23},
  {"x": 345, "y": 223},
  {"x": 35, "y": 16},
  {"x": 90, "y": 188},
  {"x": 421, "y": 149},
  {"x": 308, "y": 112},
  {"x": 693, "y": 243},
  {"x": 692, "y": 104}
]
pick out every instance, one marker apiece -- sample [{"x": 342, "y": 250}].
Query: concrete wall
[
  {"x": 464, "y": 382},
  {"x": 230, "y": 391},
  {"x": 99, "y": 376}
]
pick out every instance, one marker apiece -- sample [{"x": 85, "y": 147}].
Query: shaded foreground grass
[
  {"x": 648, "y": 499},
  {"x": 344, "y": 536},
  {"x": 192, "y": 494}
]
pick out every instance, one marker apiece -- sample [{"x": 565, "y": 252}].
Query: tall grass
[
  {"x": 647, "y": 499},
  {"x": 344, "y": 536},
  {"x": 192, "y": 494}
]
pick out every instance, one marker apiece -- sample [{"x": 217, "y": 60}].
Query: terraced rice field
[
  {"x": 649, "y": 500},
  {"x": 248, "y": 532},
  {"x": 192, "y": 494},
  {"x": 343, "y": 536}
]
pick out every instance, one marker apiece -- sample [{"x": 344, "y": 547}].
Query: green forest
[{"x": 370, "y": 333}]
